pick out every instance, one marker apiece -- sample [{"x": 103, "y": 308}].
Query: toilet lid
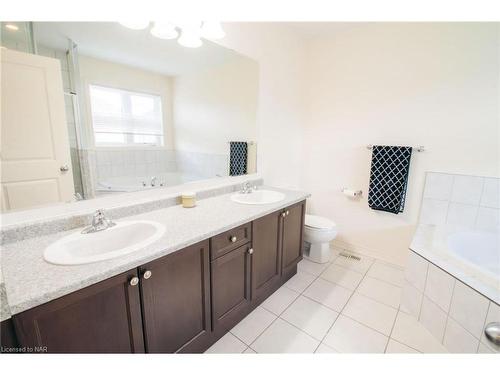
[{"x": 318, "y": 222}]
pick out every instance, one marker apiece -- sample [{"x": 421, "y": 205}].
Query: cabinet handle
[
  {"x": 250, "y": 251},
  {"x": 287, "y": 212},
  {"x": 147, "y": 274},
  {"x": 283, "y": 214},
  {"x": 233, "y": 239},
  {"x": 134, "y": 281}
]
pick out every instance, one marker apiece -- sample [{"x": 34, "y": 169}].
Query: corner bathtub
[
  {"x": 479, "y": 250},
  {"x": 129, "y": 184},
  {"x": 473, "y": 257}
]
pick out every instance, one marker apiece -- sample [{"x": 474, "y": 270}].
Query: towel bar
[
  {"x": 251, "y": 143},
  {"x": 418, "y": 148}
]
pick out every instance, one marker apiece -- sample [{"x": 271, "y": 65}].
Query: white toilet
[{"x": 318, "y": 233}]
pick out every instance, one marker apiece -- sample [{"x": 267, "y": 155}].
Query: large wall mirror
[{"x": 95, "y": 108}]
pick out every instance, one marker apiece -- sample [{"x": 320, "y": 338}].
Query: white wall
[
  {"x": 280, "y": 54},
  {"x": 435, "y": 85},
  {"x": 216, "y": 105}
]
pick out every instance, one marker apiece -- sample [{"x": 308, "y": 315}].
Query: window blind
[{"x": 124, "y": 117}]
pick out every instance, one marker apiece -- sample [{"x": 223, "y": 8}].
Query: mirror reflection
[{"x": 91, "y": 109}]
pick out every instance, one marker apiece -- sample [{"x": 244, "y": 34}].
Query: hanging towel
[
  {"x": 238, "y": 154},
  {"x": 388, "y": 178}
]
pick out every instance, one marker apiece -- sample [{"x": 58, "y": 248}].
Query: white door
[{"x": 34, "y": 152}]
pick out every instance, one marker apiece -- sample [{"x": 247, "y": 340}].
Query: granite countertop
[
  {"x": 31, "y": 281},
  {"x": 4, "y": 305}
]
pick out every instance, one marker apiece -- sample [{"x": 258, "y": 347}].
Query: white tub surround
[
  {"x": 452, "y": 280},
  {"x": 453, "y": 312},
  {"x": 439, "y": 246},
  {"x": 31, "y": 281},
  {"x": 42, "y": 221}
]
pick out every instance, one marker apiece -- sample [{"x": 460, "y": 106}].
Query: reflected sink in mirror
[
  {"x": 258, "y": 197},
  {"x": 122, "y": 239}
]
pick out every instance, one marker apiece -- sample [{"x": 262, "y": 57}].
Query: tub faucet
[
  {"x": 99, "y": 223},
  {"x": 153, "y": 180}
]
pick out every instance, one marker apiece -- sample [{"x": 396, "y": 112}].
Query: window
[{"x": 125, "y": 118}]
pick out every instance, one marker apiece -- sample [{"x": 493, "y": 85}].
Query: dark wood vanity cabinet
[
  {"x": 230, "y": 275},
  {"x": 266, "y": 257},
  {"x": 103, "y": 318},
  {"x": 293, "y": 238},
  {"x": 175, "y": 293},
  {"x": 182, "y": 302},
  {"x": 8, "y": 341}
]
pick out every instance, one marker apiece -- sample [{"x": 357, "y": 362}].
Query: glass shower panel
[{"x": 17, "y": 36}]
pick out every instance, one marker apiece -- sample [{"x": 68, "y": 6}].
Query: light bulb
[
  {"x": 164, "y": 30},
  {"x": 135, "y": 25},
  {"x": 212, "y": 30},
  {"x": 12, "y": 27},
  {"x": 190, "y": 37}
]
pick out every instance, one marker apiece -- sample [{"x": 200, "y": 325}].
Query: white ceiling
[
  {"x": 323, "y": 29},
  {"x": 113, "y": 42}
]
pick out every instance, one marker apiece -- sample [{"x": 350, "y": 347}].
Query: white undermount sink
[
  {"x": 258, "y": 197},
  {"x": 123, "y": 238}
]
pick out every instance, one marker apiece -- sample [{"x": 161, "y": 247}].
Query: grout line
[
  {"x": 385, "y": 281},
  {"x": 353, "y": 270},
  {"x": 340, "y": 313},
  {"x": 389, "y": 264},
  {"x": 237, "y": 338},
  {"x": 405, "y": 344},
  {"x": 392, "y": 329},
  {"x": 382, "y": 303},
  {"x": 265, "y": 329},
  {"x": 277, "y": 315},
  {"x": 423, "y": 291},
  {"x": 364, "y": 324},
  {"x": 352, "y": 293},
  {"x": 299, "y": 294},
  {"x": 447, "y": 312},
  {"x": 484, "y": 326}
]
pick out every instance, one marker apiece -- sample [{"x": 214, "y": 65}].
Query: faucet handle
[
  {"x": 100, "y": 213},
  {"x": 98, "y": 216}
]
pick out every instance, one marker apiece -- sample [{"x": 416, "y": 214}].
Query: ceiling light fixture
[
  {"x": 190, "y": 32},
  {"x": 135, "y": 25},
  {"x": 212, "y": 30},
  {"x": 12, "y": 27},
  {"x": 164, "y": 30},
  {"x": 190, "y": 37}
]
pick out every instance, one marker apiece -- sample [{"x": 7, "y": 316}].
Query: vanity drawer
[{"x": 230, "y": 240}]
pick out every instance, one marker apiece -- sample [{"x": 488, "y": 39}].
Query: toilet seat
[{"x": 318, "y": 223}]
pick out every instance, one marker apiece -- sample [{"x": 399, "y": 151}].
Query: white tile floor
[{"x": 344, "y": 306}]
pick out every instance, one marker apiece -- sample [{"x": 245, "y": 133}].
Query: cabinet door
[
  {"x": 102, "y": 318},
  {"x": 230, "y": 275},
  {"x": 266, "y": 257},
  {"x": 293, "y": 229},
  {"x": 9, "y": 339},
  {"x": 176, "y": 301}
]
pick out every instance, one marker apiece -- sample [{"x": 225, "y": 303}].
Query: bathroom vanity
[{"x": 177, "y": 300}]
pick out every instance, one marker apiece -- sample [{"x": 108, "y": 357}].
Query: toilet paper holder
[{"x": 351, "y": 193}]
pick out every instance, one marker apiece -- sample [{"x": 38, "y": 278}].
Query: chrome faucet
[
  {"x": 99, "y": 223},
  {"x": 153, "y": 180},
  {"x": 246, "y": 188}
]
